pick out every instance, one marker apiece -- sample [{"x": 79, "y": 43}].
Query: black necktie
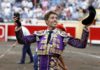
[{"x": 49, "y": 36}]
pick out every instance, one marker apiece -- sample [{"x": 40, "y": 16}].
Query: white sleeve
[{"x": 25, "y": 31}]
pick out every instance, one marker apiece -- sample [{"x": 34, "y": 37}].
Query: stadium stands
[{"x": 35, "y": 9}]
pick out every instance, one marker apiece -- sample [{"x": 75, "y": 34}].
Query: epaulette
[
  {"x": 39, "y": 33},
  {"x": 63, "y": 34}
]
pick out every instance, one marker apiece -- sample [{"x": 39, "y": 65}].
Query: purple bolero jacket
[{"x": 59, "y": 39}]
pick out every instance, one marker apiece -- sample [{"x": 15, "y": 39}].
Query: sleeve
[
  {"x": 79, "y": 43},
  {"x": 25, "y": 31},
  {"x": 24, "y": 39}
]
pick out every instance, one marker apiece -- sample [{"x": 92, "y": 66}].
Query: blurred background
[
  {"x": 70, "y": 13},
  {"x": 36, "y": 9}
]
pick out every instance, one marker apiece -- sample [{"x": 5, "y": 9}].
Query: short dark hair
[{"x": 48, "y": 14}]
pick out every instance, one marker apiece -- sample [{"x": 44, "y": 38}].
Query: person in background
[{"x": 26, "y": 48}]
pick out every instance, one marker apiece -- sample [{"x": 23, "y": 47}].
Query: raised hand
[
  {"x": 17, "y": 19},
  {"x": 91, "y": 18}
]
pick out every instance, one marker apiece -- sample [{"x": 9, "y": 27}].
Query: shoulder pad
[
  {"x": 63, "y": 34},
  {"x": 39, "y": 33}
]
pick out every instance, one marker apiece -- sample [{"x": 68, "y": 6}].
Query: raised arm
[
  {"x": 75, "y": 42},
  {"x": 19, "y": 33},
  {"x": 79, "y": 43},
  {"x": 24, "y": 39}
]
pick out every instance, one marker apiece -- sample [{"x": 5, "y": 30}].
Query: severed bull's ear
[{"x": 91, "y": 17}]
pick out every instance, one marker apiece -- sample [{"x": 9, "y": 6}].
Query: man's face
[{"x": 52, "y": 20}]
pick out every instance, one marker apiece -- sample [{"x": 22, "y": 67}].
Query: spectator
[
  {"x": 37, "y": 13},
  {"x": 6, "y": 10},
  {"x": 26, "y": 48}
]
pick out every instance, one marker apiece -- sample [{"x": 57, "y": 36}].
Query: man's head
[{"x": 51, "y": 19}]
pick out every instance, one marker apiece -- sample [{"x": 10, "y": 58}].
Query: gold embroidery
[
  {"x": 55, "y": 35},
  {"x": 52, "y": 50},
  {"x": 57, "y": 46},
  {"x": 51, "y": 69},
  {"x": 44, "y": 47},
  {"x": 41, "y": 47},
  {"x": 52, "y": 63},
  {"x": 54, "y": 45},
  {"x": 58, "y": 41},
  {"x": 44, "y": 41}
]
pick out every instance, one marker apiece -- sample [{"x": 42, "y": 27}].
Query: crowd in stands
[{"x": 35, "y": 9}]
